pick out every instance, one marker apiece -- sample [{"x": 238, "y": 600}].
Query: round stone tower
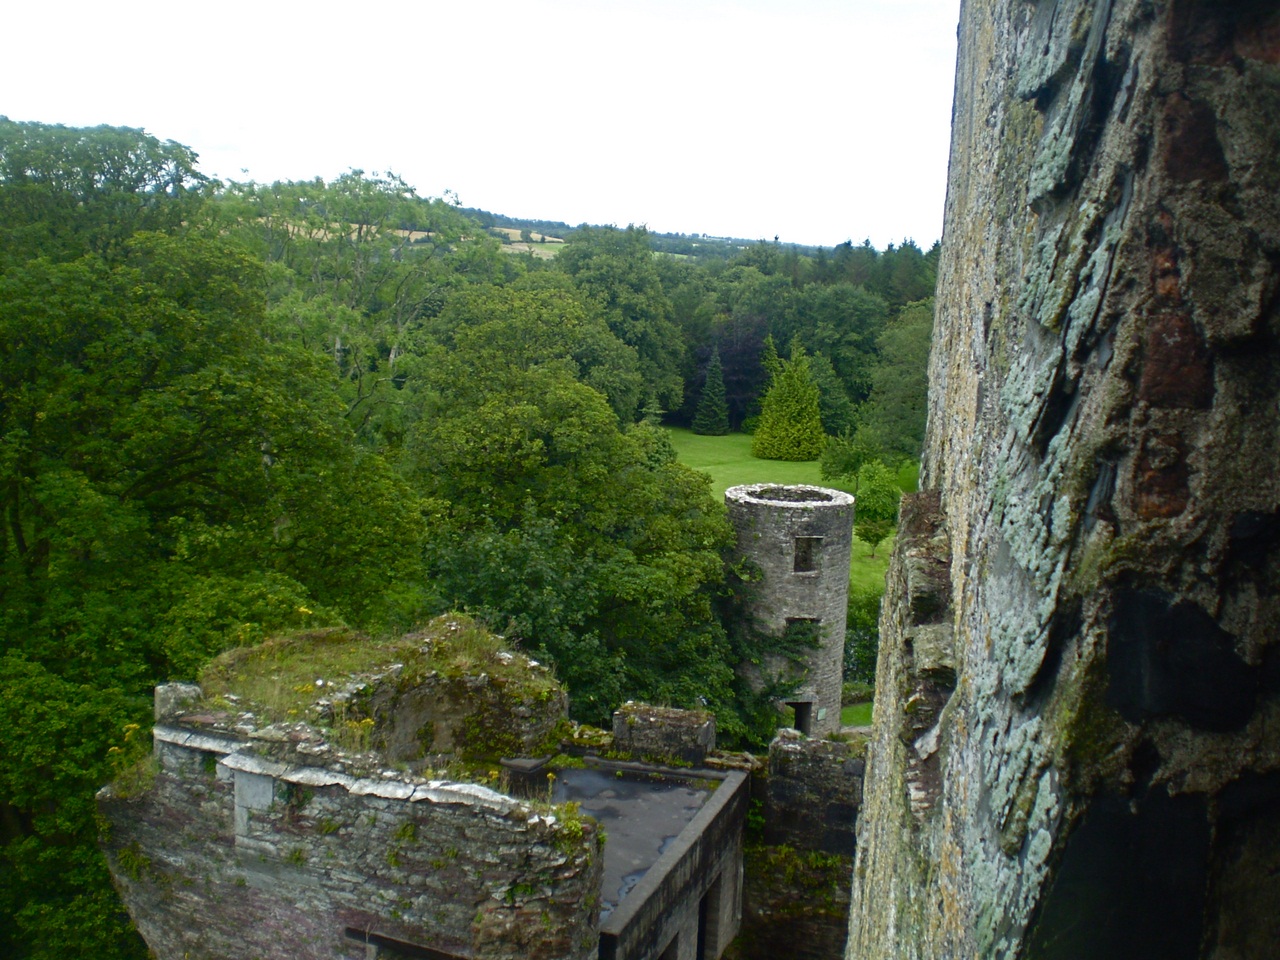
[{"x": 800, "y": 537}]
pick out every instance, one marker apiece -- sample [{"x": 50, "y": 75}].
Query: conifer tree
[
  {"x": 790, "y": 425},
  {"x": 712, "y": 416},
  {"x": 769, "y": 358}
]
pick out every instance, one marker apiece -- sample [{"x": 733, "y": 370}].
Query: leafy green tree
[
  {"x": 790, "y": 426},
  {"x": 358, "y": 270},
  {"x": 616, "y": 269},
  {"x": 739, "y": 345},
  {"x": 862, "y": 636},
  {"x": 537, "y": 319},
  {"x": 149, "y": 417},
  {"x": 855, "y": 265},
  {"x": 712, "y": 418},
  {"x": 748, "y": 294},
  {"x": 68, "y": 191},
  {"x": 842, "y": 322},
  {"x": 907, "y": 274},
  {"x": 589, "y": 545},
  {"x": 898, "y": 404},
  {"x": 770, "y": 362},
  {"x": 876, "y": 503},
  {"x": 174, "y": 477},
  {"x": 837, "y": 412},
  {"x": 59, "y": 740},
  {"x": 844, "y": 455}
]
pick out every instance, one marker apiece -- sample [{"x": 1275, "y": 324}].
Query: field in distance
[
  {"x": 729, "y": 462},
  {"x": 542, "y": 245}
]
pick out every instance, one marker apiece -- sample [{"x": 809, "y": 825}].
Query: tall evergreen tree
[
  {"x": 790, "y": 425},
  {"x": 769, "y": 359},
  {"x": 712, "y": 417}
]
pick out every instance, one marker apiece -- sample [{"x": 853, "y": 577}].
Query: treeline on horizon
[
  {"x": 231, "y": 410},
  {"x": 700, "y": 245}
]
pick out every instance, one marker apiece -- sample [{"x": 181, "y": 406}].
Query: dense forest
[{"x": 233, "y": 409}]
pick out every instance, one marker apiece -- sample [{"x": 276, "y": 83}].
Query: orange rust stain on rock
[
  {"x": 1177, "y": 371},
  {"x": 1161, "y": 486}
]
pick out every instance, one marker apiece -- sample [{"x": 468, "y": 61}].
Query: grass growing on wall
[{"x": 283, "y": 677}]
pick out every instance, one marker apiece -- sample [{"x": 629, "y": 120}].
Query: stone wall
[
  {"x": 799, "y": 865},
  {"x": 663, "y": 734},
  {"x": 800, "y": 538},
  {"x": 467, "y": 716},
  {"x": 1077, "y": 740},
  {"x": 234, "y": 852},
  {"x": 812, "y": 793}
]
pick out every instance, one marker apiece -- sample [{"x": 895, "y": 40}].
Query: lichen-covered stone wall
[
  {"x": 1077, "y": 747},
  {"x": 661, "y": 734}
]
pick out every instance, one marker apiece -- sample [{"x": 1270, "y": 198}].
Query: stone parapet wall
[
  {"x": 663, "y": 734},
  {"x": 230, "y": 854},
  {"x": 470, "y": 716},
  {"x": 688, "y": 905},
  {"x": 812, "y": 794},
  {"x": 799, "y": 868}
]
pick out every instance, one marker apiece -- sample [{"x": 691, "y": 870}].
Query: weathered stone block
[
  {"x": 813, "y": 790},
  {"x": 658, "y": 733}
]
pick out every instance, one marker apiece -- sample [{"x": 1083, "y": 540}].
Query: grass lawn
[
  {"x": 856, "y": 715},
  {"x": 729, "y": 462}
]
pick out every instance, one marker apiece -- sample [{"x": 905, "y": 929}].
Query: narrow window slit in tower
[{"x": 807, "y": 554}]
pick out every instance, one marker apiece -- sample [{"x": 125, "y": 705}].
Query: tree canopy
[
  {"x": 175, "y": 478},
  {"x": 616, "y": 269},
  {"x": 228, "y": 410},
  {"x": 565, "y": 531}
]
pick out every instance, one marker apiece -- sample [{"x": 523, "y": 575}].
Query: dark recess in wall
[
  {"x": 1131, "y": 885},
  {"x": 1168, "y": 659}
]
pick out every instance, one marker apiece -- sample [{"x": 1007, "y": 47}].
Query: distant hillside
[{"x": 679, "y": 244}]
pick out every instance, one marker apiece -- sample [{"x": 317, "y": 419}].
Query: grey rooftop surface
[{"x": 640, "y": 813}]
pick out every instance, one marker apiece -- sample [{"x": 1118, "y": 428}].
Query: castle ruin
[
  {"x": 348, "y": 815},
  {"x": 800, "y": 538}
]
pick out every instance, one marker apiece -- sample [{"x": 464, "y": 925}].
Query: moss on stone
[
  {"x": 798, "y": 883},
  {"x": 285, "y": 675}
]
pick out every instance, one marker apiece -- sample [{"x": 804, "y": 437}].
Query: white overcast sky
[{"x": 817, "y": 121}]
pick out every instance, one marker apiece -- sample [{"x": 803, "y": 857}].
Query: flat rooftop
[{"x": 642, "y": 814}]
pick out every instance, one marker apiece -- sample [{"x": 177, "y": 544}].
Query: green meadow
[
  {"x": 729, "y": 462},
  {"x": 856, "y": 715}
]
